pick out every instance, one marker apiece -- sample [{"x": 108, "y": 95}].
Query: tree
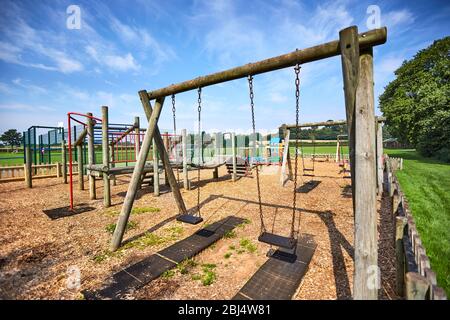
[
  {"x": 417, "y": 103},
  {"x": 11, "y": 137}
]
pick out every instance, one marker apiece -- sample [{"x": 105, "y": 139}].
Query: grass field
[{"x": 426, "y": 184}]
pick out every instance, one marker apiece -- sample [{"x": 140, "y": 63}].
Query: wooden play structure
[{"x": 356, "y": 51}]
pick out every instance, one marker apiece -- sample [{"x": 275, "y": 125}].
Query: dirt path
[{"x": 37, "y": 253}]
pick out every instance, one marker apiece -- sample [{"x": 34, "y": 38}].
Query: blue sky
[{"x": 125, "y": 46}]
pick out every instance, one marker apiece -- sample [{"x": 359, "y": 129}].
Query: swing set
[{"x": 357, "y": 65}]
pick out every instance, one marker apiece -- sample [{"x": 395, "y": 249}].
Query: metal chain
[
  {"x": 252, "y": 105},
  {"x": 297, "y": 111},
  {"x": 175, "y": 134},
  {"x": 199, "y": 109}
]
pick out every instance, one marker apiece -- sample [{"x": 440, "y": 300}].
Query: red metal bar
[{"x": 69, "y": 117}]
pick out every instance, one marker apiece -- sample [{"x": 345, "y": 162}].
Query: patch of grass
[
  {"x": 227, "y": 255},
  {"x": 175, "y": 232},
  {"x": 196, "y": 276},
  {"x": 112, "y": 226},
  {"x": 141, "y": 210},
  {"x": 168, "y": 274},
  {"x": 244, "y": 223},
  {"x": 248, "y": 245},
  {"x": 100, "y": 257},
  {"x": 240, "y": 251},
  {"x": 232, "y": 247},
  {"x": 208, "y": 275},
  {"x": 185, "y": 266},
  {"x": 426, "y": 184},
  {"x": 230, "y": 234},
  {"x": 148, "y": 239},
  {"x": 208, "y": 278}
]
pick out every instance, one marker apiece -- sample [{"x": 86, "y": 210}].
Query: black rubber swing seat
[
  {"x": 307, "y": 169},
  {"x": 277, "y": 240},
  {"x": 189, "y": 218}
]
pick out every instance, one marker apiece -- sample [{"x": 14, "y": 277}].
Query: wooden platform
[
  {"x": 279, "y": 277},
  {"x": 141, "y": 273}
]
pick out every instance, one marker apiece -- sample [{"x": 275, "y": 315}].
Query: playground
[
  {"x": 311, "y": 211},
  {"x": 34, "y": 271}
]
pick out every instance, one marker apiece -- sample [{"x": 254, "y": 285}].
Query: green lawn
[{"x": 426, "y": 184}]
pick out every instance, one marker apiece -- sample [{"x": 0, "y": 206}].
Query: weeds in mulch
[
  {"x": 112, "y": 226},
  {"x": 248, "y": 245},
  {"x": 208, "y": 275}
]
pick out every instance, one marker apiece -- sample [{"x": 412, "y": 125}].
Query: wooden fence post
[
  {"x": 400, "y": 223},
  {"x": 416, "y": 286},
  {"x": 91, "y": 155},
  {"x": 105, "y": 158}
]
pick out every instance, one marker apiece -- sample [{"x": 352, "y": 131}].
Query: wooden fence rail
[
  {"x": 39, "y": 171},
  {"x": 415, "y": 279}
]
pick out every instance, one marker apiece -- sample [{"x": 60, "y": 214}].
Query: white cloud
[
  {"x": 20, "y": 40},
  {"x": 396, "y": 18},
  {"x": 120, "y": 63},
  {"x": 30, "y": 87}
]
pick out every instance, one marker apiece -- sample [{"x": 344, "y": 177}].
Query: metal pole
[{"x": 91, "y": 155}]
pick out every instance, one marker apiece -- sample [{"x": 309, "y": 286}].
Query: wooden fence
[
  {"x": 415, "y": 279},
  {"x": 17, "y": 173}
]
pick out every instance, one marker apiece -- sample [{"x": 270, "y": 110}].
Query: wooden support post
[
  {"x": 162, "y": 151},
  {"x": 359, "y": 102},
  {"x": 64, "y": 160},
  {"x": 185, "y": 170},
  {"x": 105, "y": 158},
  {"x": 28, "y": 164},
  {"x": 233, "y": 152},
  {"x": 379, "y": 140},
  {"x": 349, "y": 45},
  {"x": 91, "y": 155},
  {"x": 80, "y": 167},
  {"x": 155, "y": 170},
  {"x": 216, "y": 173},
  {"x": 137, "y": 131},
  {"x": 366, "y": 284},
  {"x": 137, "y": 175}
]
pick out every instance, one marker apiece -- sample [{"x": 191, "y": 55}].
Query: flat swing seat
[
  {"x": 277, "y": 240},
  {"x": 308, "y": 169},
  {"x": 189, "y": 218}
]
